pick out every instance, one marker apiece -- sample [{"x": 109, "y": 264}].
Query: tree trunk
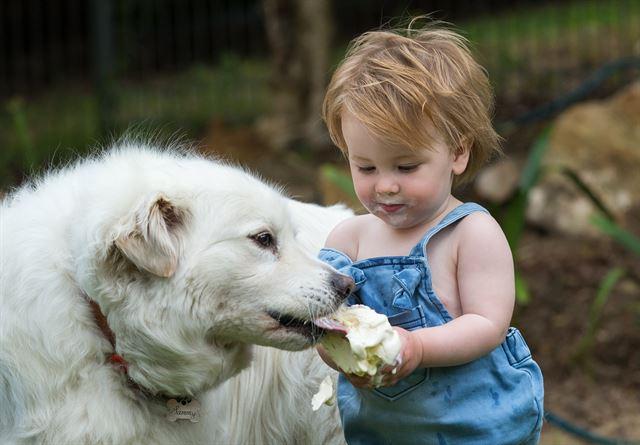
[{"x": 299, "y": 35}]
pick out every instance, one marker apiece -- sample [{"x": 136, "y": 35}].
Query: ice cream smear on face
[{"x": 360, "y": 341}]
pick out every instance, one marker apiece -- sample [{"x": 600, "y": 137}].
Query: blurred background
[{"x": 244, "y": 80}]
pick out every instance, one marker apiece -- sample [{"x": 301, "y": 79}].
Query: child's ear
[{"x": 461, "y": 157}]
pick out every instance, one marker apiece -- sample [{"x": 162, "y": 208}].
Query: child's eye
[
  {"x": 408, "y": 168},
  {"x": 366, "y": 169}
]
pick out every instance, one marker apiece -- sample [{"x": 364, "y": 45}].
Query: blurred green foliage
[
  {"x": 235, "y": 91},
  {"x": 51, "y": 129},
  {"x": 584, "y": 350},
  {"x": 339, "y": 179},
  {"x": 532, "y": 40},
  {"x": 623, "y": 237}
]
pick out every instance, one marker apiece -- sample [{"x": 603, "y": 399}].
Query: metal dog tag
[{"x": 187, "y": 409}]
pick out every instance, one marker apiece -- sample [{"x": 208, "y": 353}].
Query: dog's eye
[{"x": 264, "y": 239}]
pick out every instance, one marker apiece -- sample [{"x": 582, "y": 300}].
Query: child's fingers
[
  {"x": 389, "y": 381},
  {"x": 359, "y": 381},
  {"x": 394, "y": 368},
  {"x": 390, "y": 375},
  {"x": 390, "y": 369}
]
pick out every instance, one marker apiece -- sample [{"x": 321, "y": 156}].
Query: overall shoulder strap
[{"x": 453, "y": 216}]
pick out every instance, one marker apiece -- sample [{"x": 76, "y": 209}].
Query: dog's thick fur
[{"x": 193, "y": 262}]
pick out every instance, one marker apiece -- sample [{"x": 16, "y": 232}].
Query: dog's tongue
[{"x": 331, "y": 325}]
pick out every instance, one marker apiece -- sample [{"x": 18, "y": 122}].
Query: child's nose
[{"x": 387, "y": 185}]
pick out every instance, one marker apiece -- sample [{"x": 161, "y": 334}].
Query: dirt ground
[
  {"x": 602, "y": 391},
  {"x": 599, "y": 392}
]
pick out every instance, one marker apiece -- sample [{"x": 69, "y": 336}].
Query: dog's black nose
[{"x": 342, "y": 284}]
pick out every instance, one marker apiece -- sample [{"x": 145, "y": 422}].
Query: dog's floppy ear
[{"x": 150, "y": 236}]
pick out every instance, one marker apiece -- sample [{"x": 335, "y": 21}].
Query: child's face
[{"x": 402, "y": 187}]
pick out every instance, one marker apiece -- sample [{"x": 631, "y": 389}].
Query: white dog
[{"x": 141, "y": 279}]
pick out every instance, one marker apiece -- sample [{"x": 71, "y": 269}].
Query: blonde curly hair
[{"x": 395, "y": 81}]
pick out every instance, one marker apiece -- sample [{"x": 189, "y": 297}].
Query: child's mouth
[{"x": 391, "y": 208}]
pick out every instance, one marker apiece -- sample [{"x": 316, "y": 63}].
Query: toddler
[{"x": 412, "y": 112}]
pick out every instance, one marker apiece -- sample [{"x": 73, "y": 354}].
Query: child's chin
[{"x": 396, "y": 220}]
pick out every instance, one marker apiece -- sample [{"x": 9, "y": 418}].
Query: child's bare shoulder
[
  {"x": 345, "y": 237},
  {"x": 480, "y": 232}
]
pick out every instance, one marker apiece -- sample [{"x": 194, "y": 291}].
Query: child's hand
[
  {"x": 365, "y": 381},
  {"x": 410, "y": 358}
]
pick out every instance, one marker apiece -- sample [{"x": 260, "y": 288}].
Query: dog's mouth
[{"x": 298, "y": 325}]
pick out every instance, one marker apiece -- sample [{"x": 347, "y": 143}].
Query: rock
[{"x": 600, "y": 142}]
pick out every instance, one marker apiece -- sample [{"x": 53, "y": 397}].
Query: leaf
[
  {"x": 532, "y": 168},
  {"x": 575, "y": 178},
  {"x": 583, "y": 351},
  {"x": 523, "y": 296},
  {"x": 341, "y": 180},
  {"x": 18, "y": 112},
  {"x": 513, "y": 221},
  {"x": 604, "y": 290},
  {"x": 623, "y": 237}
]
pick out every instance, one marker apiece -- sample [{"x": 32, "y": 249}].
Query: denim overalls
[{"x": 496, "y": 399}]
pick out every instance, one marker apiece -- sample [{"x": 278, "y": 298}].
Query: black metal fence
[
  {"x": 46, "y": 42},
  {"x": 71, "y": 70}
]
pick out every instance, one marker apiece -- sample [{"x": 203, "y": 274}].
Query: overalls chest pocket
[{"x": 411, "y": 317}]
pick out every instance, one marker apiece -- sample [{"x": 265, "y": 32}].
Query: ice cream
[
  {"x": 325, "y": 394},
  {"x": 360, "y": 341}
]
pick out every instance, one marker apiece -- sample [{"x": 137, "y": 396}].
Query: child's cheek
[{"x": 363, "y": 193}]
